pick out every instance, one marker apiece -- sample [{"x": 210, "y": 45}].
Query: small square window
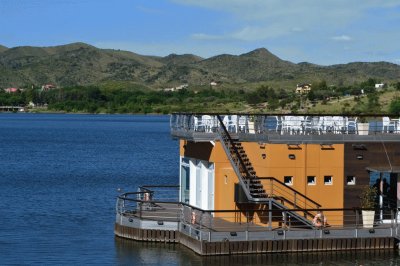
[
  {"x": 288, "y": 180},
  {"x": 311, "y": 180},
  {"x": 350, "y": 180},
  {"x": 328, "y": 180}
]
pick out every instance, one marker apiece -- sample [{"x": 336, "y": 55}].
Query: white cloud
[
  {"x": 322, "y": 32},
  {"x": 301, "y": 10},
  {"x": 248, "y": 33},
  {"x": 289, "y": 16},
  {"x": 342, "y": 38},
  {"x": 312, "y": 25}
]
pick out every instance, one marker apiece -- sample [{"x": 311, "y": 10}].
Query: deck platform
[{"x": 165, "y": 223}]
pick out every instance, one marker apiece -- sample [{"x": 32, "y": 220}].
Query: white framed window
[
  {"x": 311, "y": 180},
  {"x": 350, "y": 180},
  {"x": 288, "y": 180},
  {"x": 328, "y": 180}
]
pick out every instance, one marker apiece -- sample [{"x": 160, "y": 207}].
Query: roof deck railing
[{"x": 283, "y": 125}]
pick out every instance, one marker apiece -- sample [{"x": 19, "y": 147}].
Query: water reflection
[{"x": 145, "y": 253}]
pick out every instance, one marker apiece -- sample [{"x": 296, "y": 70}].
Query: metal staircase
[{"x": 259, "y": 190}]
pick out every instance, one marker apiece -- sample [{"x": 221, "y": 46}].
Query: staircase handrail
[
  {"x": 292, "y": 189},
  {"x": 233, "y": 145}
]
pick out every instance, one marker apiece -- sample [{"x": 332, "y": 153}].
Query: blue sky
[{"x": 321, "y": 32}]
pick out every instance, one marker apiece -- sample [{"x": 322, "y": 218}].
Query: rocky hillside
[{"x": 82, "y": 64}]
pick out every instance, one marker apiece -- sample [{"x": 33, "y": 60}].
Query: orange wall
[{"x": 311, "y": 160}]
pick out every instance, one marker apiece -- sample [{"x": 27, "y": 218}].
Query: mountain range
[{"x": 83, "y": 64}]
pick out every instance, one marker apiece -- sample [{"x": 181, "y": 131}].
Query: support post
[{"x": 270, "y": 214}]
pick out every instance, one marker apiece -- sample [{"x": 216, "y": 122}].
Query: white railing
[{"x": 287, "y": 124}]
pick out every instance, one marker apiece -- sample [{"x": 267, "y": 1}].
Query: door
[{"x": 386, "y": 185}]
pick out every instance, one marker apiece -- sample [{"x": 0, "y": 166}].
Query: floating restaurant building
[{"x": 273, "y": 183}]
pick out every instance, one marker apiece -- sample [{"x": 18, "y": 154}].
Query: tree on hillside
[
  {"x": 397, "y": 85},
  {"x": 311, "y": 95},
  {"x": 320, "y": 85},
  {"x": 373, "y": 104},
  {"x": 369, "y": 85},
  {"x": 394, "y": 107}
]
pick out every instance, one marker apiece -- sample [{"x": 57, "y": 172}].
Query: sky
[{"x": 322, "y": 32}]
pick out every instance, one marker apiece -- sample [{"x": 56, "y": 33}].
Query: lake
[{"x": 59, "y": 178}]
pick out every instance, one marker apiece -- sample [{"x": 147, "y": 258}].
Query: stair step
[
  {"x": 262, "y": 191},
  {"x": 257, "y": 189},
  {"x": 259, "y": 195}
]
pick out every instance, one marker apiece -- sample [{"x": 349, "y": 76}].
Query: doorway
[{"x": 386, "y": 183}]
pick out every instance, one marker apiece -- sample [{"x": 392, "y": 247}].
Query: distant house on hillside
[
  {"x": 303, "y": 88},
  {"x": 379, "y": 86},
  {"x": 213, "y": 83},
  {"x": 180, "y": 87},
  {"x": 48, "y": 87},
  {"x": 11, "y": 90}
]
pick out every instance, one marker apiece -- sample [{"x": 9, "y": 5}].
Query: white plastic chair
[
  {"x": 351, "y": 126},
  {"x": 387, "y": 124},
  {"x": 294, "y": 124},
  {"x": 199, "y": 124},
  {"x": 313, "y": 124},
  {"x": 207, "y": 121},
  {"x": 329, "y": 125},
  {"x": 339, "y": 124},
  {"x": 278, "y": 127},
  {"x": 243, "y": 124},
  {"x": 230, "y": 122}
]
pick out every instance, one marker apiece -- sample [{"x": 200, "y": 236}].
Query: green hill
[
  {"x": 2, "y": 48},
  {"x": 83, "y": 64}
]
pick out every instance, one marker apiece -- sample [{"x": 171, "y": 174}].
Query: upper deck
[{"x": 290, "y": 129}]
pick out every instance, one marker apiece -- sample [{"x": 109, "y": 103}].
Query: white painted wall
[{"x": 201, "y": 184}]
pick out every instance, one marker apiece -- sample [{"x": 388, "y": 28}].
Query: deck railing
[
  {"x": 151, "y": 202},
  {"x": 293, "y": 198},
  {"x": 295, "y": 124},
  {"x": 217, "y": 223}
]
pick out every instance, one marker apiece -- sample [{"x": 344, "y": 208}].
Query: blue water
[{"x": 59, "y": 176}]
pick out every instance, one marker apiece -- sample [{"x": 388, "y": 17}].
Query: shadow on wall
[{"x": 200, "y": 150}]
